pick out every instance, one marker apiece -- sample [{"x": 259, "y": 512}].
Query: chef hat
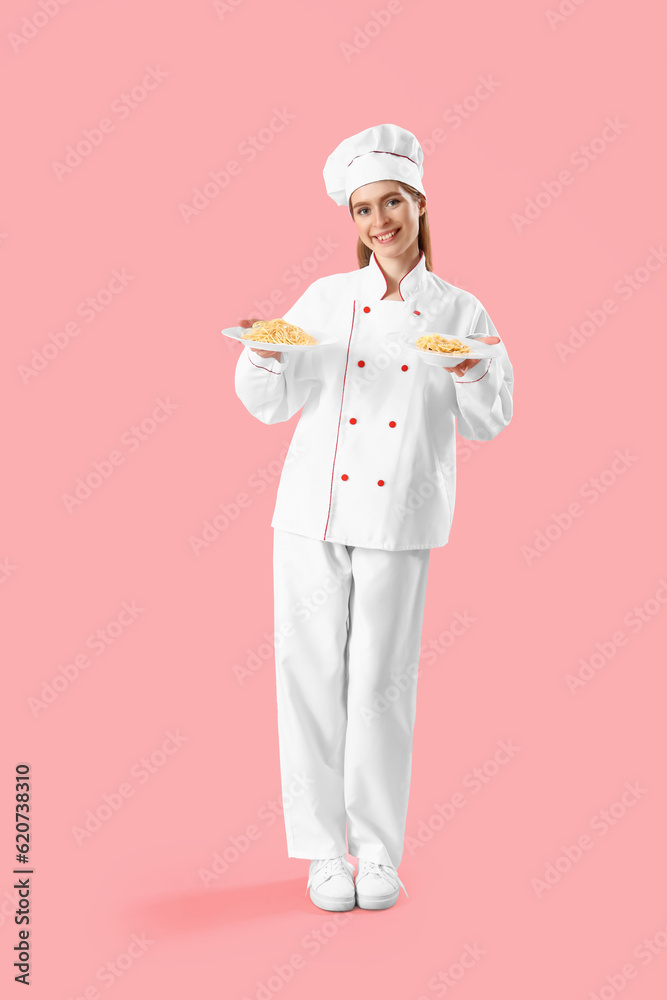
[{"x": 380, "y": 153}]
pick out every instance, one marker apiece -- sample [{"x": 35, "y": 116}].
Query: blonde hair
[{"x": 424, "y": 237}]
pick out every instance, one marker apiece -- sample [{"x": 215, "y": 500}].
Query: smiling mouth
[{"x": 386, "y": 237}]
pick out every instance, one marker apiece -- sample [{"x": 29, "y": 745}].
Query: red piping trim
[
  {"x": 472, "y": 381},
  {"x": 263, "y": 368},
  {"x": 386, "y": 285},
  {"x": 384, "y": 151},
  {"x": 333, "y": 464},
  {"x": 405, "y": 275}
]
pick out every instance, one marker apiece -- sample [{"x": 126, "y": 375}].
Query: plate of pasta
[
  {"x": 268, "y": 334},
  {"x": 447, "y": 351}
]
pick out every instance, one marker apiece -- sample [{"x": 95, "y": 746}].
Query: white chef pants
[{"x": 350, "y": 622}]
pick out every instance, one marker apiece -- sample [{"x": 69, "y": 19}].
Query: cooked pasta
[
  {"x": 442, "y": 345},
  {"x": 277, "y": 331}
]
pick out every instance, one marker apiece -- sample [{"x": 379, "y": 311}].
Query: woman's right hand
[{"x": 263, "y": 354}]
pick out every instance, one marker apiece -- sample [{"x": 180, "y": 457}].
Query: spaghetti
[
  {"x": 277, "y": 331},
  {"x": 442, "y": 345}
]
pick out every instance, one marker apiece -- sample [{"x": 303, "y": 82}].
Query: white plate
[
  {"x": 234, "y": 332},
  {"x": 478, "y": 351}
]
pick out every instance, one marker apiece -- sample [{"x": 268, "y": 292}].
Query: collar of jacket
[{"x": 375, "y": 283}]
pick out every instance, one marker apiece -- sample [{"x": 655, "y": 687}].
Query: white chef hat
[{"x": 383, "y": 152}]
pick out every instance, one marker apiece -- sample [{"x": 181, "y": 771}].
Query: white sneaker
[
  {"x": 379, "y": 886},
  {"x": 331, "y": 884}
]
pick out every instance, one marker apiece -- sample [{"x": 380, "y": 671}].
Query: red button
[
  {"x": 404, "y": 368},
  {"x": 392, "y": 423},
  {"x": 353, "y": 420},
  {"x": 361, "y": 363},
  {"x": 417, "y": 312},
  {"x": 344, "y": 477},
  {"x": 380, "y": 482},
  {"x": 367, "y": 309}
]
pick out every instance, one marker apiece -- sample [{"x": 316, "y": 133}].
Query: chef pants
[{"x": 348, "y": 623}]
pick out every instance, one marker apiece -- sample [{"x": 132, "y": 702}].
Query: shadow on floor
[{"x": 213, "y": 907}]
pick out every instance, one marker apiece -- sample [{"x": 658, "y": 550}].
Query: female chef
[{"x": 366, "y": 491}]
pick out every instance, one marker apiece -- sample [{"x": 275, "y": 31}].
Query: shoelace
[
  {"x": 332, "y": 866},
  {"x": 374, "y": 868}
]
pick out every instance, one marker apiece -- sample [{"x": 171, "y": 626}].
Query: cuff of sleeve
[
  {"x": 476, "y": 373},
  {"x": 268, "y": 364}
]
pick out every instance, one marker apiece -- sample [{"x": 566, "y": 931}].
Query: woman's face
[{"x": 385, "y": 208}]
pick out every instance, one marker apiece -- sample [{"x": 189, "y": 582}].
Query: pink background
[{"x": 474, "y": 879}]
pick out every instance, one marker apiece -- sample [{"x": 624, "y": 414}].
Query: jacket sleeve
[
  {"x": 273, "y": 391},
  {"x": 484, "y": 393}
]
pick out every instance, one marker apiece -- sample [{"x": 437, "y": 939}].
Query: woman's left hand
[{"x": 463, "y": 366}]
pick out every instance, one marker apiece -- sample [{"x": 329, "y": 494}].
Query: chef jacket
[{"x": 372, "y": 460}]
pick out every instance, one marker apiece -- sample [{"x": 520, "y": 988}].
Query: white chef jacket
[{"x": 372, "y": 461}]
